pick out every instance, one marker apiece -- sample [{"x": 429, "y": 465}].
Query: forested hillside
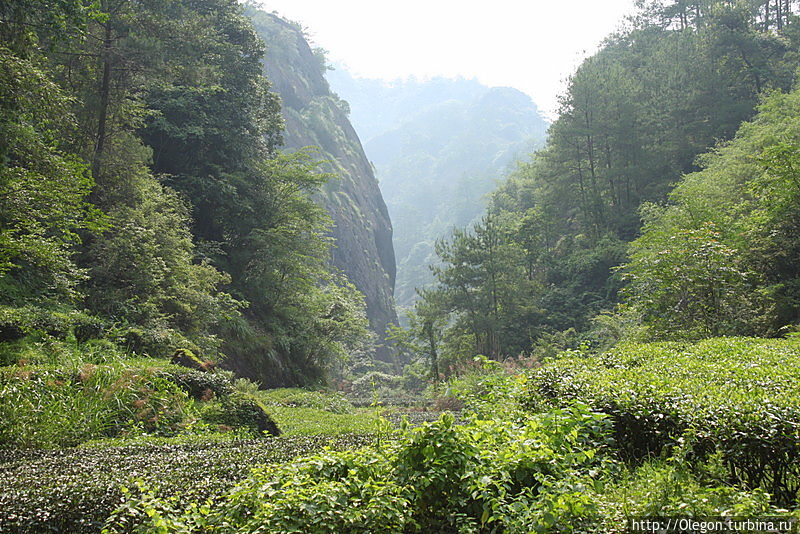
[
  {"x": 146, "y": 203},
  {"x": 544, "y": 266},
  {"x": 439, "y": 147}
]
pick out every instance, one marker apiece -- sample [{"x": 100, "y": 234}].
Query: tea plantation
[{"x": 581, "y": 443}]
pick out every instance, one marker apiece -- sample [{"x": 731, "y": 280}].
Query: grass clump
[
  {"x": 48, "y": 407},
  {"x": 45, "y": 406}
]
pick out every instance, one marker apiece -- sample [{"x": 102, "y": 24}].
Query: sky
[{"x": 531, "y": 45}]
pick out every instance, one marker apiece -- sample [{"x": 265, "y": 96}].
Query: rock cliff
[{"x": 317, "y": 117}]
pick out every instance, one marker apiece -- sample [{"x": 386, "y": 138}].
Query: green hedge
[{"x": 739, "y": 396}]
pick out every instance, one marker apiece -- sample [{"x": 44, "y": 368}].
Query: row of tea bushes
[
  {"x": 736, "y": 396},
  {"x": 74, "y": 490}
]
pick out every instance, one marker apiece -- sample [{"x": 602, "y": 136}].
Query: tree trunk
[
  {"x": 766, "y": 16},
  {"x": 102, "y": 114},
  {"x": 434, "y": 353}
]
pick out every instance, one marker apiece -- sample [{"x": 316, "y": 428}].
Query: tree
[
  {"x": 481, "y": 280},
  {"x": 689, "y": 284},
  {"x": 634, "y": 119},
  {"x": 721, "y": 258},
  {"x": 43, "y": 189},
  {"x": 424, "y": 334}
]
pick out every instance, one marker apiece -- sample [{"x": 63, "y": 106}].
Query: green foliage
[
  {"x": 481, "y": 281},
  {"x": 692, "y": 285},
  {"x": 374, "y": 383},
  {"x": 43, "y": 189},
  {"x": 665, "y": 489},
  {"x": 157, "y": 115},
  {"x": 46, "y": 407},
  {"x": 242, "y": 410},
  {"x": 439, "y": 477},
  {"x": 488, "y": 391},
  {"x": 720, "y": 259},
  {"x": 201, "y": 385},
  {"x": 75, "y": 490},
  {"x": 143, "y": 274},
  {"x": 738, "y": 396},
  {"x": 633, "y": 120}
]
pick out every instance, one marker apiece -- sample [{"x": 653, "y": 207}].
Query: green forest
[{"x": 192, "y": 300}]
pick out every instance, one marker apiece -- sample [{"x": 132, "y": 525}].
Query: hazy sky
[{"x": 532, "y": 45}]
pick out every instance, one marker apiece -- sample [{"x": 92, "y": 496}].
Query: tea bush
[
  {"x": 553, "y": 472},
  {"x": 333, "y": 402},
  {"x": 736, "y": 395},
  {"x": 670, "y": 489}
]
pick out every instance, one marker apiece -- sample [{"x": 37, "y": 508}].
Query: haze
[{"x": 532, "y": 46}]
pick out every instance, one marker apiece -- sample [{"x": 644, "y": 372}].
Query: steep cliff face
[{"x": 316, "y": 117}]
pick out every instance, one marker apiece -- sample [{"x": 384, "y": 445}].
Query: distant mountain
[{"x": 438, "y": 147}]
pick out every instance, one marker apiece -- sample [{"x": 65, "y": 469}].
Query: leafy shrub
[
  {"x": 738, "y": 395},
  {"x": 74, "y": 490},
  {"x": 670, "y": 489},
  {"x": 241, "y": 410},
  {"x": 489, "y": 392},
  {"x": 328, "y": 401},
  {"x": 31, "y": 334},
  {"x": 200, "y": 384},
  {"x": 16, "y": 323}
]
